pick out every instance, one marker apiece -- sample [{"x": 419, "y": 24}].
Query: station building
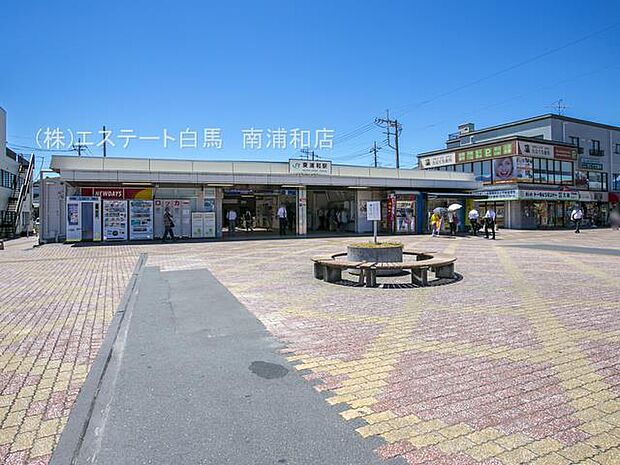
[
  {"x": 110, "y": 198},
  {"x": 534, "y": 171}
]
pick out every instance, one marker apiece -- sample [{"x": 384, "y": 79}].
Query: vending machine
[
  {"x": 140, "y": 220},
  {"x": 83, "y": 218},
  {"x": 114, "y": 220},
  {"x": 181, "y": 211}
]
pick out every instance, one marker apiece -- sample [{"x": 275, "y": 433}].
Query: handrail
[{"x": 22, "y": 192}]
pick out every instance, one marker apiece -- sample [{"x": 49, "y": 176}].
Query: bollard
[{"x": 1, "y": 244}]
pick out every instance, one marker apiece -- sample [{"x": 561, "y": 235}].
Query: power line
[
  {"x": 388, "y": 123},
  {"x": 509, "y": 68}
]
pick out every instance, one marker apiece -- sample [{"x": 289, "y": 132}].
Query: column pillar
[{"x": 302, "y": 211}]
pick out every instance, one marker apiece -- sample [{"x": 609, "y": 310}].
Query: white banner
[
  {"x": 535, "y": 150},
  {"x": 435, "y": 161}
]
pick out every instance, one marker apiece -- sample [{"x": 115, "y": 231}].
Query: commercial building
[
  {"x": 535, "y": 170},
  {"x": 125, "y": 198},
  {"x": 16, "y": 174}
]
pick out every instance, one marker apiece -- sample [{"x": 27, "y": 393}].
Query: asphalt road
[{"x": 193, "y": 378}]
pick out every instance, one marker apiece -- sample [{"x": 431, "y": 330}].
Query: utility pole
[
  {"x": 388, "y": 124},
  {"x": 104, "y": 141},
  {"x": 374, "y": 151},
  {"x": 78, "y": 147},
  {"x": 308, "y": 154}
]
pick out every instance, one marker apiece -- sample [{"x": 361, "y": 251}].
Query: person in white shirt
[
  {"x": 489, "y": 222},
  {"x": 576, "y": 216},
  {"x": 282, "y": 219},
  {"x": 453, "y": 221},
  {"x": 231, "y": 216},
  {"x": 473, "y": 220}
]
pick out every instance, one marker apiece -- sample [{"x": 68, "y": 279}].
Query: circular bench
[{"x": 329, "y": 268}]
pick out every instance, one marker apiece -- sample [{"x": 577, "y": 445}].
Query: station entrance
[{"x": 255, "y": 210}]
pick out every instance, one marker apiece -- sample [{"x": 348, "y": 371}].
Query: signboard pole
[{"x": 374, "y": 227}]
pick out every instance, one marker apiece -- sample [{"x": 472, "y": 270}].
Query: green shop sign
[{"x": 484, "y": 153}]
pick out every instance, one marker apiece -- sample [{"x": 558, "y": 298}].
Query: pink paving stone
[
  {"x": 43, "y": 460},
  {"x": 4, "y": 450},
  {"x": 16, "y": 458},
  {"x": 37, "y": 407},
  {"x": 479, "y": 328},
  {"x": 570, "y": 436},
  {"x": 343, "y": 340},
  {"x": 481, "y": 409},
  {"x": 605, "y": 356},
  {"x": 389, "y": 451}
]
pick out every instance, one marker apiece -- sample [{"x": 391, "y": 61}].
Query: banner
[{"x": 511, "y": 169}]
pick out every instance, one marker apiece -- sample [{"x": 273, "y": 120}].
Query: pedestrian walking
[
  {"x": 435, "y": 224},
  {"x": 453, "y": 221},
  {"x": 576, "y": 217},
  {"x": 231, "y": 216},
  {"x": 473, "y": 221},
  {"x": 282, "y": 215},
  {"x": 489, "y": 223},
  {"x": 614, "y": 218},
  {"x": 321, "y": 219},
  {"x": 168, "y": 225},
  {"x": 247, "y": 219}
]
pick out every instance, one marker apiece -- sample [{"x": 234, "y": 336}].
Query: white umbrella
[
  {"x": 439, "y": 210},
  {"x": 454, "y": 207}
]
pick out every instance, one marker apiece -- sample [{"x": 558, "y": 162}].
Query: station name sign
[{"x": 310, "y": 167}]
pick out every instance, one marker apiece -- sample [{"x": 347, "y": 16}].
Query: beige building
[{"x": 319, "y": 197}]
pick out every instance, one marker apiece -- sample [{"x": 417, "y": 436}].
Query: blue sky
[{"x": 150, "y": 66}]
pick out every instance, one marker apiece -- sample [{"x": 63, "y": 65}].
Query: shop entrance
[{"x": 256, "y": 210}]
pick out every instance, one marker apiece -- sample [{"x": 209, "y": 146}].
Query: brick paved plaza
[{"x": 518, "y": 362}]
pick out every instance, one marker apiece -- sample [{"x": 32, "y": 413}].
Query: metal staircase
[{"x": 10, "y": 218}]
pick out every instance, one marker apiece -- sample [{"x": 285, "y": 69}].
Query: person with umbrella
[
  {"x": 436, "y": 219},
  {"x": 453, "y": 217},
  {"x": 473, "y": 220}
]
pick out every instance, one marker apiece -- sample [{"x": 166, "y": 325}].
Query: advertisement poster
[
  {"x": 74, "y": 229},
  {"x": 114, "y": 220},
  {"x": 209, "y": 214},
  {"x": 512, "y": 169},
  {"x": 140, "y": 219}
]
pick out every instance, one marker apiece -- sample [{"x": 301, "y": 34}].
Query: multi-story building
[
  {"x": 535, "y": 170},
  {"x": 16, "y": 173}
]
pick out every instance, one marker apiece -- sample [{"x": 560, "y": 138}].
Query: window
[
  {"x": 595, "y": 181},
  {"x": 544, "y": 173},
  {"x": 486, "y": 171},
  {"x": 605, "y": 183},
  {"x": 478, "y": 171},
  {"x": 615, "y": 182},
  {"x": 574, "y": 140},
  {"x": 459, "y": 168},
  {"x": 596, "y": 148},
  {"x": 567, "y": 172},
  {"x": 617, "y": 149},
  {"x": 536, "y": 169}
]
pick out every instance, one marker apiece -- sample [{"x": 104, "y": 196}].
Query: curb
[{"x": 70, "y": 443}]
